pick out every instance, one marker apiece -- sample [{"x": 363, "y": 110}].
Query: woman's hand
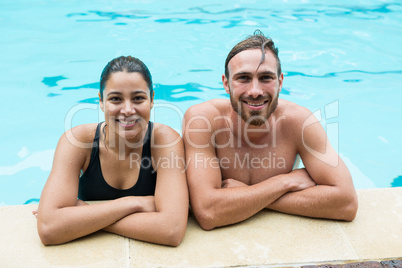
[
  {"x": 81, "y": 203},
  {"x": 146, "y": 203}
]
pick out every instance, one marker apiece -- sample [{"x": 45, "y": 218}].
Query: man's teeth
[{"x": 255, "y": 104}]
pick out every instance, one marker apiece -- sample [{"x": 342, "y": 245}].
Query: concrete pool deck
[{"x": 267, "y": 239}]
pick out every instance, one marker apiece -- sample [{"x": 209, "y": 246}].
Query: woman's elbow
[
  {"x": 46, "y": 235},
  {"x": 50, "y": 234},
  {"x": 174, "y": 239},
  {"x": 175, "y": 234}
]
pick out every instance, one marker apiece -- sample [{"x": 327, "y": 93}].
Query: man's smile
[{"x": 255, "y": 105}]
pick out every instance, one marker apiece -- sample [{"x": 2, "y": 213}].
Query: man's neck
[{"x": 250, "y": 134}]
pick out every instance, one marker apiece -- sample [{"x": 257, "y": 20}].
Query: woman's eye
[
  {"x": 114, "y": 98},
  {"x": 138, "y": 98}
]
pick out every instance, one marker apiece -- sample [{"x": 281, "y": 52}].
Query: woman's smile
[{"x": 128, "y": 123}]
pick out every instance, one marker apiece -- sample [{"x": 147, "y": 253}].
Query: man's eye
[
  {"x": 266, "y": 78},
  {"x": 243, "y": 78}
]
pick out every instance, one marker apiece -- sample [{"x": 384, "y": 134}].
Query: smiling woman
[
  {"x": 90, "y": 164},
  {"x": 127, "y": 104}
]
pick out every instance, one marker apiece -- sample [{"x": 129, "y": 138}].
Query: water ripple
[
  {"x": 95, "y": 85},
  {"x": 178, "y": 93},
  {"x": 32, "y": 201},
  {"x": 172, "y": 93},
  {"x": 397, "y": 182},
  {"x": 335, "y": 74},
  {"x": 310, "y": 14},
  {"x": 52, "y": 81}
]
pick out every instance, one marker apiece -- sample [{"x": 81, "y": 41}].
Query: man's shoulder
[
  {"x": 291, "y": 117},
  {"x": 211, "y": 108},
  {"x": 291, "y": 110},
  {"x": 206, "y": 118}
]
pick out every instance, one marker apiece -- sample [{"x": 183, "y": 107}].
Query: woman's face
[{"x": 127, "y": 104}]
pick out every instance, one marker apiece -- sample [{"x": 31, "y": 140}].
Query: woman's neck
[{"x": 122, "y": 146}]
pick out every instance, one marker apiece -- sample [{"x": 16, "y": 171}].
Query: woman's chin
[{"x": 131, "y": 137}]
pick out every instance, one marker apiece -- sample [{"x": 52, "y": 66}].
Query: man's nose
[{"x": 255, "y": 89}]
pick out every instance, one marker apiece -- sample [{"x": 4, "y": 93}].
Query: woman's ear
[
  {"x": 152, "y": 99},
  {"x": 100, "y": 102}
]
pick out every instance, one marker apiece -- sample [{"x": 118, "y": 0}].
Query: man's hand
[
  {"x": 300, "y": 180},
  {"x": 230, "y": 183}
]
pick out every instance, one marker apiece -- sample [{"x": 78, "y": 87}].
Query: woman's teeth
[{"x": 127, "y": 122}]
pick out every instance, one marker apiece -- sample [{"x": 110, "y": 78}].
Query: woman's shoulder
[
  {"x": 75, "y": 146},
  {"x": 82, "y": 135}
]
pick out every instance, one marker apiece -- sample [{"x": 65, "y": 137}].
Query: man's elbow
[
  {"x": 205, "y": 219},
  {"x": 350, "y": 209}
]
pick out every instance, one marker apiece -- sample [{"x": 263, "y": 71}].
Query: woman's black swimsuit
[{"x": 92, "y": 185}]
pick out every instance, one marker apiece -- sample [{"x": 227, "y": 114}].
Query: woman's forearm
[
  {"x": 60, "y": 225},
  {"x": 156, "y": 227}
]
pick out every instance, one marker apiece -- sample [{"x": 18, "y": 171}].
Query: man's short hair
[{"x": 257, "y": 40}]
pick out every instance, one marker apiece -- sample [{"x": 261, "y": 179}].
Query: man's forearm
[
  {"x": 321, "y": 201},
  {"x": 231, "y": 205}
]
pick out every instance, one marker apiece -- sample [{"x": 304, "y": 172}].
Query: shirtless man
[{"x": 241, "y": 153}]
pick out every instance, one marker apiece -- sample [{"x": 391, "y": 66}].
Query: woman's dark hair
[
  {"x": 125, "y": 64},
  {"x": 257, "y": 40}
]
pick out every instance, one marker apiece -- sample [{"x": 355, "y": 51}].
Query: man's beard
[{"x": 255, "y": 118}]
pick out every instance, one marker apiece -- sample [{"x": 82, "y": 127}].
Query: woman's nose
[{"x": 128, "y": 108}]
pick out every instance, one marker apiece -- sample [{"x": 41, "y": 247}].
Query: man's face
[{"x": 253, "y": 90}]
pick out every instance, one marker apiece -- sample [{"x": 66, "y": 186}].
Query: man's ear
[
  {"x": 280, "y": 82},
  {"x": 101, "y": 102},
  {"x": 225, "y": 83}
]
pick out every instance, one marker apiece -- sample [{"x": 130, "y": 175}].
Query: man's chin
[
  {"x": 255, "y": 118},
  {"x": 256, "y": 122}
]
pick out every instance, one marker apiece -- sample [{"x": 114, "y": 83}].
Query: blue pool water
[{"x": 343, "y": 60}]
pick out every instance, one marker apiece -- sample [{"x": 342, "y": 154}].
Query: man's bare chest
[{"x": 253, "y": 165}]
